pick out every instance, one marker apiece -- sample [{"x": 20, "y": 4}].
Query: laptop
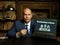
[{"x": 45, "y": 28}]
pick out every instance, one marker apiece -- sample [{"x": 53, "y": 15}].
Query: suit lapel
[
  {"x": 23, "y": 24},
  {"x": 31, "y": 27}
]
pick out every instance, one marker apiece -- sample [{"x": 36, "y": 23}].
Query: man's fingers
[{"x": 24, "y": 31}]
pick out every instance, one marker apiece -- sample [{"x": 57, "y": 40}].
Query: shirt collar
[{"x": 28, "y": 23}]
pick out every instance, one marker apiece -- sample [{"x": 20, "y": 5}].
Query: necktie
[{"x": 26, "y": 26}]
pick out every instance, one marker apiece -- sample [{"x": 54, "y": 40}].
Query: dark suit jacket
[{"x": 18, "y": 25}]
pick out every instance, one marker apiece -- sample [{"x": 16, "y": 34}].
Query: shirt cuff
[{"x": 17, "y": 36}]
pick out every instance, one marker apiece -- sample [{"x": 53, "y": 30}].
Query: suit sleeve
[
  {"x": 15, "y": 28},
  {"x": 12, "y": 32}
]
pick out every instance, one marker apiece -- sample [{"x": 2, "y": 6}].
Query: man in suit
[{"x": 23, "y": 28}]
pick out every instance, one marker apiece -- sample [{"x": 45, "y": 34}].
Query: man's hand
[{"x": 22, "y": 32}]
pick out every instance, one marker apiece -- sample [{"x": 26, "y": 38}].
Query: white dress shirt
[{"x": 27, "y": 27}]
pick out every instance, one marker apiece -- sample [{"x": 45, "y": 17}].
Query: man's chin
[{"x": 27, "y": 21}]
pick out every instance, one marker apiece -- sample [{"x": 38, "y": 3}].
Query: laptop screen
[
  {"x": 46, "y": 25},
  {"x": 45, "y": 28}
]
